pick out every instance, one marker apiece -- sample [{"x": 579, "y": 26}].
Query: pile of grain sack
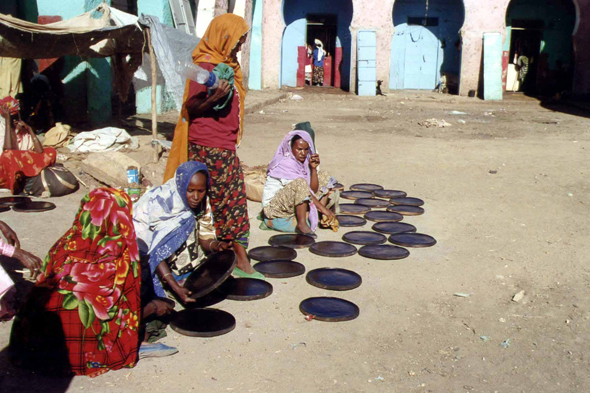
[{"x": 254, "y": 177}]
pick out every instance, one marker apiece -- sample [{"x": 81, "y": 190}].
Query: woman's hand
[
  {"x": 21, "y": 126},
  {"x": 162, "y": 307},
  {"x": 183, "y": 294},
  {"x": 29, "y": 260},
  {"x": 9, "y": 234},
  {"x": 217, "y": 245},
  {"x": 314, "y": 161},
  {"x": 221, "y": 91},
  {"x": 225, "y": 246},
  {"x": 327, "y": 212},
  {"x": 4, "y": 111}
]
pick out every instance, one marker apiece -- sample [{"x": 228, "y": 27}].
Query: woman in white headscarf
[{"x": 318, "y": 63}]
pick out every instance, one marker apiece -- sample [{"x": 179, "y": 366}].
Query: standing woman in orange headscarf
[{"x": 211, "y": 127}]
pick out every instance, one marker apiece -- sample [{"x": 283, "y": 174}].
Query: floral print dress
[{"x": 83, "y": 314}]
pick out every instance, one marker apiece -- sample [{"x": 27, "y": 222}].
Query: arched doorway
[
  {"x": 426, "y": 45},
  {"x": 538, "y": 46},
  {"x": 306, "y": 20}
]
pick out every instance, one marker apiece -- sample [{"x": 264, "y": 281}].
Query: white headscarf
[{"x": 321, "y": 51}]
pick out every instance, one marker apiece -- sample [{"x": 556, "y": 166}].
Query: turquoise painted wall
[
  {"x": 87, "y": 83},
  {"x": 143, "y": 97},
  {"x": 450, "y": 14},
  {"x": 559, "y": 18},
  {"x": 27, "y": 10},
  {"x": 255, "y": 77},
  {"x": 293, "y": 37}
]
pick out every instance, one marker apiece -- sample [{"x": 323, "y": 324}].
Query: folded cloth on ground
[
  {"x": 58, "y": 136},
  {"x": 104, "y": 139}
]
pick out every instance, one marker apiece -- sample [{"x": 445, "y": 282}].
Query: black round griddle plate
[
  {"x": 389, "y": 194},
  {"x": 356, "y": 194},
  {"x": 406, "y": 210},
  {"x": 384, "y": 252},
  {"x": 365, "y": 187},
  {"x": 244, "y": 289},
  {"x": 280, "y": 269},
  {"x": 372, "y": 203},
  {"x": 333, "y": 249},
  {"x": 381, "y": 216},
  {"x": 350, "y": 221},
  {"x": 33, "y": 207},
  {"x": 407, "y": 201},
  {"x": 291, "y": 240},
  {"x": 211, "y": 273},
  {"x": 352, "y": 208},
  {"x": 334, "y": 279},
  {"x": 4, "y": 209},
  {"x": 393, "y": 228},
  {"x": 272, "y": 253},
  {"x": 13, "y": 200},
  {"x": 412, "y": 240},
  {"x": 329, "y": 309},
  {"x": 203, "y": 322},
  {"x": 364, "y": 238}
]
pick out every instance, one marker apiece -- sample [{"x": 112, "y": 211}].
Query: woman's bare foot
[
  {"x": 243, "y": 261},
  {"x": 301, "y": 214},
  {"x": 303, "y": 228}
]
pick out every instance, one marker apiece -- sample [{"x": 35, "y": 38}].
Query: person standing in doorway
[{"x": 318, "y": 63}]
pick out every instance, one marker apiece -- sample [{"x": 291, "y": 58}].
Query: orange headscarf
[{"x": 222, "y": 36}]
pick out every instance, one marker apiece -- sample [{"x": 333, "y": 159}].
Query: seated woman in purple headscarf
[{"x": 295, "y": 190}]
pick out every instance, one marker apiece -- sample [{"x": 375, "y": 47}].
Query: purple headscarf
[{"x": 285, "y": 166}]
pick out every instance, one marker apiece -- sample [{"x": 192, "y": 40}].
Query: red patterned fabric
[
  {"x": 227, "y": 193},
  {"x": 91, "y": 281},
  {"x": 11, "y": 103},
  {"x": 14, "y": 164}
]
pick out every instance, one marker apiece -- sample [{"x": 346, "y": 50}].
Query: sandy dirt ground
[{"x": 506, "y": 196}]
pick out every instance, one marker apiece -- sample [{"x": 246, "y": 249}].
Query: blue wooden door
[
  {"x": 367, "y": 62},
  {"x": 421, "y": 58}
]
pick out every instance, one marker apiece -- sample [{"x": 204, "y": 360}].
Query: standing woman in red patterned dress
[{"x": 210, "y": 129}]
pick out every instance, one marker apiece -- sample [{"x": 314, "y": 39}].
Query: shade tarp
[
  {"x": 101, "y": 32},
  {"x": 171, "y": 47}
]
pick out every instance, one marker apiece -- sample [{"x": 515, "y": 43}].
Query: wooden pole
[{"x": 154, "y": 66}]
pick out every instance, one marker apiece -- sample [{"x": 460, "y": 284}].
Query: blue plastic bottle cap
[{"x": 211, "y": 81}]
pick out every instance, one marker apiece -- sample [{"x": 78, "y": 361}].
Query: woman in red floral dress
[
  {"x": 21, "y": 154},
  {"x": 83, "y": 314}
]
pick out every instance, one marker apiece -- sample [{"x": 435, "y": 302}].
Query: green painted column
[{"x": 98, "y": 80}]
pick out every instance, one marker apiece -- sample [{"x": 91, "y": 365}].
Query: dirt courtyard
[{"x": 506, "y": 196}]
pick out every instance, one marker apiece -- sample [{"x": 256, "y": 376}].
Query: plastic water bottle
[{"x": 195, "y": 73}]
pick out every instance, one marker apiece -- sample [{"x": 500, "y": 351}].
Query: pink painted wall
[
  {"x": 478, "y": 20},
  {"x": 368, "y": 14},
  {"x": 371, "y": 14},
  {"x": 272, "y": 35}
]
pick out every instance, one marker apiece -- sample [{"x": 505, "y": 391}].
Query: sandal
[
  {"x": 310, "y": 234},
  {"x": 242, "y": 274}
]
